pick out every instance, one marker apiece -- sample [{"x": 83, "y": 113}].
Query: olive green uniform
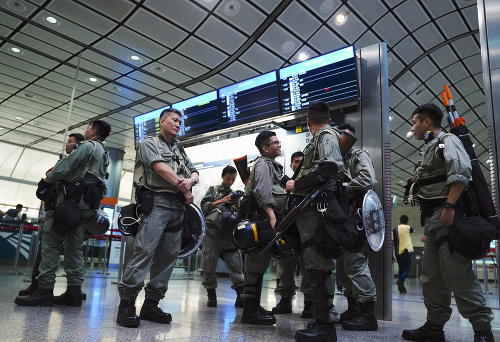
[
  {"x": 444, "y": 273},
  {"x": 352, "y": 266},
  {"x": 265, "y": 182},
  {"x": 217, "y": 242},
  {"x": 158, "y": 241},
  {"x": 88, "y": 162}
]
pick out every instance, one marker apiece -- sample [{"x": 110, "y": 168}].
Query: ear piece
[{"x": 75, "y": 146}]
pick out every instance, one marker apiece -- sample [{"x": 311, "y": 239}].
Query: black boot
[
  {"x": 72, "y": 297},
  {"x": 317, "y": 332},
  {"x": 284, "y": 306},
  {"x": 308, "y": 310},
  {"x": 126, "y": 314},
  {"x": 239, "y": 302},
  {"x": 42, "y": 297},
  {"x": 352, "y": 310},
  {"x": 30, "y": 289},
  {"x": 212, "y": 298},
  {"x": 323, "y": 289},
  {"x": 254, "y": 314},
  {"x": 151, "y": 312},
  {"x": 401, "y": 287},
  {"x": 483, "y": 336},
  {"x": 430, "y": 332},
  {"x": 364, "y": 321}
]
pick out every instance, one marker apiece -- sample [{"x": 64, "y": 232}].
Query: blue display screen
[
  {"x": 199, "y": 114},
  {"x": 331, "y": 78},
  {"x": 250, "y": 100},
  {"x": 147, "y": 124}
]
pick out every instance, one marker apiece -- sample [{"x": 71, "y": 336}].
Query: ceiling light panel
[
  {"x": 101, "y": 65},
  {"x": 156, "y": 28},
  {"x": 325, "y": 40},
  {"x": 181, "y": 12},
  {"x": 134, "y": 84},
  {"x": 117, "y": 9},
  {"x": 390, "y": 30},
  {"x": 351, "y": 30},
  {"x": 81, "y": 15},
  {"x": 43, "y": 46},
  {"x": 261, "y": 59},
  {"x": 119, "y": 51},
  {"x": 100, "y": 104},
  {"x": 180, "y": 93},
  {"x": 167, "y": 97},
  {"x": 323, "y": 8},
  {"x": 218, "y": 81},
  {"x": 277, "y": 36},
  {"x": 438, "y": 8},
  {"x": 155, "y": 82},
  {"x": 200, "y": 88},
  {"x": 367, "y": 39},
  {"x": 141, "y": 44},
  {"x": 204, "y": 53},
  {"x": 408, "y": 49},
  {"x": 221, "y": 35},
  {"x": 248, "y": 18},
  {"x": 310, "y": 54},
  {"x": 454, "y": 30},
  {"x": 184, "y": 65},
  {"x": 294, "y": 14},
  {"x": 168, "y": 74},
  {"x": 429, "y": 36},
  {"x": 47, "y": 36},
  {"x": 370, "y": 11},
  {"x": 239, "y": 71},
  {"x": 15, "y": 63},
  {"x": 412, "y": 14}
]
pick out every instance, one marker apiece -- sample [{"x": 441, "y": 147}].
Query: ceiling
[{"x": 189, "y": 47}]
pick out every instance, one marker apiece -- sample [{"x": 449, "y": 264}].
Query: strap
[
  {"x": 444, "y": 238},
  {"x": 307, "y": 244}
]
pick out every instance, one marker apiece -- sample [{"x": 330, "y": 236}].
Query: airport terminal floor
[{"x": 192, "y": 319}]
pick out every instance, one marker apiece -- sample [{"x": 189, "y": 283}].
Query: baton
[
  {"x": 290, "y": 218},
  {"x": 450, "y": 100},
  {"x": 448, "y": 109}
]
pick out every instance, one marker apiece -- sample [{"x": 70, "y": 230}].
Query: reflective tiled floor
[{"x": 192, "y": 319}]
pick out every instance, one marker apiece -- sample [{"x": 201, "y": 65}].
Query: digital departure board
[
  {"x": 251, "y": 100},
  {"x": 147, "y": 124},
  {"x": 199, "y": 114},
  {"x": 330, "y": 78}
]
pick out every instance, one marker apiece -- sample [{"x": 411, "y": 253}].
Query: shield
[
  {"x": 193, "y": 231},
  {"x": 373, "y": 220}
]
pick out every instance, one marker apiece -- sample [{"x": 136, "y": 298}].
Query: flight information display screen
[
  {"x": 147, "y": 125},
  {"x": 330, "y": 78},
  {"x": 248, "y": 101},
  {"x": 199, "y": 114}
]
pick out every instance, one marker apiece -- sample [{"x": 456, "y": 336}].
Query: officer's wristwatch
[
  {"x": 448, "y": 205},
  {"x": 194, "y": 181}
]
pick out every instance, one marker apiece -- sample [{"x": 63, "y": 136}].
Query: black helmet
[
  {"x": 228, "y": 220},
  {"x": 128, "y": 221},
  {"x": 250, "y": 235},
  {"x": 98, "y": 224}
]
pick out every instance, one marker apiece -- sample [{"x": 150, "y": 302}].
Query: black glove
[{"x": 41, "y": 191}]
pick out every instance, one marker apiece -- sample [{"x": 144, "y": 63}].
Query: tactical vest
[
  {"x": 175, "y": 158},
  {"x": 96, "y": 168},
  {"x": 279, "y": 194},
  {"x": 431, "y": 174},
  {"x": 311, "y": 155}
]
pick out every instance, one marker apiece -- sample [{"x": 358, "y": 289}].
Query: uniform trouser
[
  {"x": 214, "y": 245},
  {"x": 156, "y": 247},
  {"x": 287, "y": 279},
  {"x": 444, "y": 273},
  {"x": 355, "y": 277},
  {"x": 404, "y": 265},
  {"x": 255, "y": 269},
  {"x": 307, "y": 224},
  {"x": 52, "y": 244}
]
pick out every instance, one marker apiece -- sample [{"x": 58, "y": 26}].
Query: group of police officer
[{"x": 345, "y": 175}]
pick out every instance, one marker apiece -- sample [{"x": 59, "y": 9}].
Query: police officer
[
  {"x": 165, "y": 170},
  {"x": 322, "y": 159},
  {"x": 444, "y": 173},
  {"x": 74, "y": 139},
  {"x": 352, "y": 266},
  {"x": 265, "y": 184},
  {"x": 84, "y": 169},
  {"x": 286, "y": 267},
  {"x": 217, "y": 241}
]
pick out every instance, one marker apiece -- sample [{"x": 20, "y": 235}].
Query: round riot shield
[
  {"x": 193, "y": 231},
  {"x": 373, "y": 220}
]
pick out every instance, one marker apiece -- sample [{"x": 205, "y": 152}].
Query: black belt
[
  {"x": 433, "y": 203},
  {"x": 432, "y": 180}
]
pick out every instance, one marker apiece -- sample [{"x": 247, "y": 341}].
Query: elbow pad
[{"x": 321, "y": 175}]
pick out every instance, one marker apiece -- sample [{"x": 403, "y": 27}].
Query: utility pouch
[
  {"x": 247, "y": 206},
  {"x": 67, "y": 216},
  {"x": 334, "y": 211},
  {"x": 146, "y": 201},
  {"x": 470, "y": 203},
  {"x": 93, "y": 195}
]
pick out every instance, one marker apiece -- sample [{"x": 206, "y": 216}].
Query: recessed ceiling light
[
  {"x": 232, "y": 7},
  {"x": 51, "y": 20},
  {"x": 409, "y": 134},
  {"x": 327, "y": 6},
  {"x": 411, "y": 86},
  {"x": 16, "y": 5},
  {"x": 29, "y": 95},
  {"x": 1, "y": 128},
  {"x": 135, "y": 58},
  {"x": 15, "y": 50},
  {"x": 473, "y": 145},
  {"x": 93, "y": 79},
  {"x": 19, "y": 118},
  {"x": 158, "y": 69},
  {"x": 391, "y": 117},
  {"x": 36, "y": 123},
  {"x": 303, "y": 56},
  {"x": 114, "y": 89},
  {"x": 340, "y": 18},
  {"x": 288, "y": 46}
]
